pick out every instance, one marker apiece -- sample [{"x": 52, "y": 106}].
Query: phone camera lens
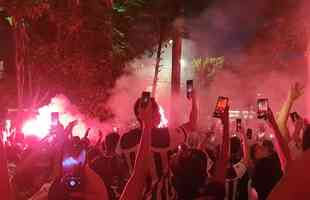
[{"x": 72, "y": 183}]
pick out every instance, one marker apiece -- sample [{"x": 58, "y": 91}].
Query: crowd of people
[{"x": 229, "y": 161}]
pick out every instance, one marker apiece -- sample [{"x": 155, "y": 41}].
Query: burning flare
[
  {"x": 163, "y": 119},
  {"x": 40, "y": 125}
]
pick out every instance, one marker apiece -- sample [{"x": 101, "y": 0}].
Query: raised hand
[
  {"x": 295, "y": 92},
  {"x": 87, "y": 133},
  {"x": 100, "y": 134},
  {"x": 69, "y": 128},
  {"x": 94, "y": 187},
  {"x": 270, "y": 118}
]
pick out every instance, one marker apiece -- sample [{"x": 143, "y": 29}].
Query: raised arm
[
  {"x": 68, "y": 132},
  {"x": 295, "y": 92},
  {"x": 222, "y": 162},
  {"x": 192, "y": 124},
  {"x": 280, "y": 143},
  {"x": 136, "y": 183},
  {"x": 246, "y": 147},
  {"x": 98, "y": 143},
  {"x": 86, "y": 134}
]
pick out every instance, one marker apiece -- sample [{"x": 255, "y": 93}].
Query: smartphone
[
  {"x": 73, "y": 166},
  {"x": 146, "y": 96},
  {"x": 54, "y": 119},
  {"x": 262, "y": 108},
  {"x": 238, "y": 125},
  {"x": 222, "y": 103},
  {"x": 249, "y": 134},
  {"x": 189, "y": 88},
  {"x": 294, "y": 116}
]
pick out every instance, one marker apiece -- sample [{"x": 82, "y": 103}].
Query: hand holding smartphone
[
  {"x": 146, "y": 96},
  {"x": 189, "y": 88},
  {"x": 238, "y": 125},
  {"x": 262, "y": 108},
  {"x": 249, "y": 134},
  {"x": 221, "y": 105},
  {"x": 73, "y": 166}
]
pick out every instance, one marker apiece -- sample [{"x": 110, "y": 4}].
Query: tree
[{"x": 67, "y": 46}]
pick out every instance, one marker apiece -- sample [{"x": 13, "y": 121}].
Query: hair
[
  {"x": 189, "y": 172},
  {"x": 111, "y": 141},
  {"x": 266, "y": 143},
  {"x": 252, "y": 152},
  {"x": 306, "y": 138},
  {"x": 236, "y": 151},
  {"x": 269, "y": 145},
  {"x": 137, "y": 105},
  {"x": 235, "y": 145}
]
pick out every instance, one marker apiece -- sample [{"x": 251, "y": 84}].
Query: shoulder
[
  {"x": 181, "y": 129},
  {"x": 274, "y": 159},
  {"x": 178, "y": 133},
  {"x": 130, "y": 139}
]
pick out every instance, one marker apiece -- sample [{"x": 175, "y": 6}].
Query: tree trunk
[
  {"x": 158, "y": 59},
  {"x": 175, "y": 75},
  {"x": 176, "y": 63},
  {"x": 19, "y": 62}
]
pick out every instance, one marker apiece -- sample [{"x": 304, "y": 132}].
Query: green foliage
[
  {"x": 206, "y": 68},
  {"x": 69, "y": 48}
]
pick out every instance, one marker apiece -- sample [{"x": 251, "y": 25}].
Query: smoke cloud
[{"x": 229, "y": 29}]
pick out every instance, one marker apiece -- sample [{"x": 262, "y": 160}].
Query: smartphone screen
[
  {"x": 54, "y": 118},
  {"x": 222, "y": 103},
  {"x": 73, "y": 164},
  {"x": 146, "y": 96},
  {"x": 238, "y": 125},
  {"x": 189, "y": 88},
  {"x": 262, "y": 108}
]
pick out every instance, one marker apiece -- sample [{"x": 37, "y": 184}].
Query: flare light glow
[{"x": 40, "y": 125}]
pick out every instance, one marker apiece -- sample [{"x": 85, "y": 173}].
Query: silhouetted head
[
  {"x": 189, "y": 169},
  {"x": 111, "y": 141},
  {"x": 236, "y": 152},
  {"x": 262, "y": 150},
  {"x": 156, "y": 113}
]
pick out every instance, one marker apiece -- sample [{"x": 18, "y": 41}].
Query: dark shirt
[
  {"x": 114, "y": 173},
  {"x": 267, "y": 173},
  {"x": 212, "y": 191}
]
